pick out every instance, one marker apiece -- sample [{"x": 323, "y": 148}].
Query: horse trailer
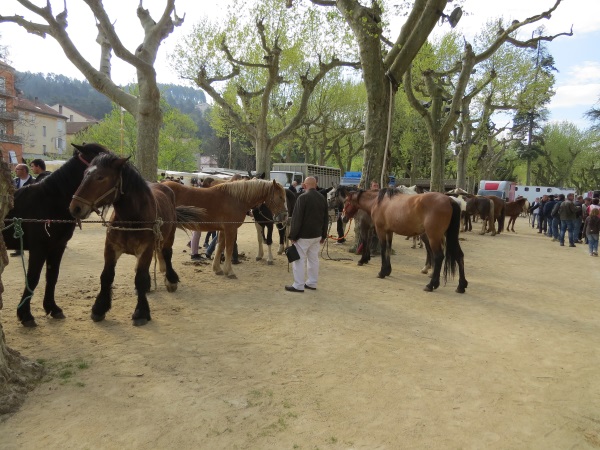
[
  {"x": 503, "y": 189},
  {"x": 533, "y": 192},
  {"x": 285, "y": 173}
]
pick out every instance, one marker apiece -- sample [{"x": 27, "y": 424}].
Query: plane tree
[{"x": 145, "y": 106}]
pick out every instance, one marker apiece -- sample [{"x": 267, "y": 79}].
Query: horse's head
[
  {"x": 350, "y": 206},
  {"x": 277, "y": 202},
  {"x": 101, "y": 185},
  {"x": 87, "y": 152}
]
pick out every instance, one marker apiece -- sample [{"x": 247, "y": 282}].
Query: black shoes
[
  {"x": 572, "y": 245},
  {"x": 292, "y": 289},
  {"x": 310, "y": 287}
]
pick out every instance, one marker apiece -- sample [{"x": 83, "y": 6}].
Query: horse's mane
[
  {"x": 246, "y": 190},
  {"x": 132, "y": 179}
]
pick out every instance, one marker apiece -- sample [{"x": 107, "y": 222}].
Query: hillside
[{"x": 53, "y": 88}]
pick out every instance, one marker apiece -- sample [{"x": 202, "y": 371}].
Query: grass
[{"x": 64, "y": 371}]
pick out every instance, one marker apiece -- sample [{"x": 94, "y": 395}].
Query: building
[
  {"x": 76, "y": 120},
  {"x": 10, "y": 141},
  {"x": 42, "y": 129}
]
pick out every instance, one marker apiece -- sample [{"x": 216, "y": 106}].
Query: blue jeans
[
  {"x": 576, "y": 229},
  {"x": 593, "y": 243},
  {"x": 564, "y": 226},
  {"x": 213, "y": 244},
  {"x": 549, "y": 221},
  {"x": 556, "y": 228}
]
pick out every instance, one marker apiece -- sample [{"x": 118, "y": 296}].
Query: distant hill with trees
[{"x": 53, "y": 88}]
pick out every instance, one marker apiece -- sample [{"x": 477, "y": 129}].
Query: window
[
  {"x": 44, "y": 131},
  {"x": 526, "y": 189},
  {"x": 537, "y": 189},
  {"x": 2, "y": 128},
  {"x": 71, "y": 118},
  {"x": 2, "y": 104}
]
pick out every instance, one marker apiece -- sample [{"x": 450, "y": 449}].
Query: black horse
[
  {"x": 46, "y": 240},
  {"x": 263, "y": 220}
]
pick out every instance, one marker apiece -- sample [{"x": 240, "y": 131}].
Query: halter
[
  {"x": 116, "y": 189},
  {"x": 272, "y": 201},
  {"x": 87, "y": 164}
]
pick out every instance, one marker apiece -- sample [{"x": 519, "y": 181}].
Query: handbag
[{"x": 292, "y": 253}]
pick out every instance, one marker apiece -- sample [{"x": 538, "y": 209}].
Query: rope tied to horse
[{"x": 18, "y": 233}]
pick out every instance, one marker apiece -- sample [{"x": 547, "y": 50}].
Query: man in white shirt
[{"x": 23, "y": 178}]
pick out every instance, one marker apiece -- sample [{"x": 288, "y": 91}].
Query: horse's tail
[
  {"x": 453, "y": 251},
  {"x": 501, "y": 218},
  {"x": 190, "y": 217}
]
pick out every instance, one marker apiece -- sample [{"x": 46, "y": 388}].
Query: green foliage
[{"x": 178, "y": 143}]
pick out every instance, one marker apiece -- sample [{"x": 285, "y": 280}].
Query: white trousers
[{"x": 309, "y": 256}]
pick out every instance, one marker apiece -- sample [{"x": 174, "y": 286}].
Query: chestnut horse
[
  {"x": 143, "y": 223},
  {"x": 514, "y": 210},
  {"x": 226, "y": 206},
  {"x": 432, "y": 214}
]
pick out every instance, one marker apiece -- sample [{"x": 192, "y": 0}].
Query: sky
[{"x": 577, "y": 58}]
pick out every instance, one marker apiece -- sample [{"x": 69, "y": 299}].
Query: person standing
[
  {"x": 542, "y": 222},
  {"x": 568, "y": 215},
  {"x": 534, "y": 210},
  {"x": 23, "y": 178},
  {"x": 591, "y": 228},
  {"x": 308, "y": 231},
  {"x": 38, "y": 167}
]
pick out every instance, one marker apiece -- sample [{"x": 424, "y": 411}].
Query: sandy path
[{"x": 359, "y": 363}]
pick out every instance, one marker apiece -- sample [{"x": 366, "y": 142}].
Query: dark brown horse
[
  {"x": 485, "y": 209},
  {"x": 431, "y": 214},
  {"x": 226, "y": 206},
  {"x": 514, "y": 210},
  {"x": 143, "y": 224}
]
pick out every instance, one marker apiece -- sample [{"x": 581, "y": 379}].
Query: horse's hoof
[
  {"x": 29, "y": 323},
  {"x": 493, "y": 234},
  {"x": 140, "y": 322},
  {"x": 220, "y": 272},
  {"x": 460, "y": 290},
  {"x": 424, "y": 271},
  {"x": 58, "y": 315},
  {"x": 360, "y": 263},
  {"x": 270, "y": 263},
  {"x": 232, "y": 276},
  {"x": 98, "y": 317},
  {"x": 258, "y": 258},
  {"x": 428, "y": 288},
  {"x": 171, "y": 287},
  {"x": 413, "y": 246}
]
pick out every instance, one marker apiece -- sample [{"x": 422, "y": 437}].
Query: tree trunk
[
  {"x": 149, "y": 121},
  {"x": 438, "y": 163},
  {"x": 17, "y": 374}
]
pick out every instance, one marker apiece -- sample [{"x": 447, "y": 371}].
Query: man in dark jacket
[
  {"x": 548, "y": 215},
  {"x": 568, "y": 215},
  {"x": 23, "y": 178},
  {"x": 308, "y": 231},
  {"x": 38, "y": 167}
]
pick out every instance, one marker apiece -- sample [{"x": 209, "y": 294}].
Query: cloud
[{"x": 571, "y": 95}]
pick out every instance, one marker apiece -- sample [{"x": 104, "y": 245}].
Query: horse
[
  {"x": 264, "y": 221},
  {"x": 432, "y": 214},
  {"x": 47, "y": 201},
  {"x": 484, "y": 208},
  {"x": 226, "y": 206},
  {"x": 514, "y": 210},
  {"x": 142, "y": 224}
]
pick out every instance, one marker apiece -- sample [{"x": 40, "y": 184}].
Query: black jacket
[
  {"x": 310, "y": 218},
  {"x": 16, "y": 181}
]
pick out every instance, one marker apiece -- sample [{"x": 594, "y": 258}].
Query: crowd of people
[{"x": 558, "y": 217}]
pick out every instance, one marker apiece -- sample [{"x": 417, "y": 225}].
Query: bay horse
[
  {"x": 514, "y": 210},
  {"x": 226, "y": 206},
  {"x": 142, "y": 224},
  {"x": 264, "y": 221},
  {"x": 432, "y": 214},
  {"x": 46, "y": 240}
]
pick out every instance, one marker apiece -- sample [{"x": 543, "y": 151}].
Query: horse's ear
[{"x": 120, "y": 162}]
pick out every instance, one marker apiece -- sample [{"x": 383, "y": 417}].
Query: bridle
[
  {"x": 117, "y": 190},
  {"x": 270, "y": 202}
]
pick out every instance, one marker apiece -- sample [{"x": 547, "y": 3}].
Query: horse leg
[
  {"x": 269, "y": 244},
  {"x": 230, "y": 238},
  {"x": 428, "y": 257},
  {"x": 366, "y": 235},
  {"x": 281, "y": 230},
  {"x": 218, "y": 252},
  {"x": 438, "y": 259},
  {"x": 103, "y": 301},
  {"x": 141, "y": 314},
  {"x": 52, "y": 269},
  {"x": 260, "y": 240},
  {"x": 385, "y": 242},
  {"x": 34, "y": 269},
  {"x": 483, "y": 226},
  {"x": 462, "y": 280},
  {"x": 171, "y": 277}
]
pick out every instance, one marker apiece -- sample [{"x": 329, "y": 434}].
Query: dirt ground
[{"x": 361, "y": 363}]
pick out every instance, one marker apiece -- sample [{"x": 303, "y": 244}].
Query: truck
[
  {"x": 503, "y": 189},
  {"x": 533, "y": 192},
  {"x": 286, "y": 173}
]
